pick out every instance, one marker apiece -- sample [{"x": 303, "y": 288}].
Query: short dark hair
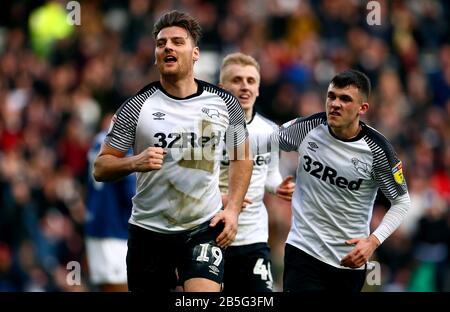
[
  {"x": 180, "y": 19},
  {"x": 355, "y": 78}
]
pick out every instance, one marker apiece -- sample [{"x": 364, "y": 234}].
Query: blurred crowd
[{"x": 58, "y": 80}]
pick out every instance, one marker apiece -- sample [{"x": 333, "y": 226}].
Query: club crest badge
[
  {"x": 210, "y": 112},
  {"x": 360, "y": 166}
]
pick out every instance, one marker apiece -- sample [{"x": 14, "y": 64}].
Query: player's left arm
[
  {"x": 365, "y": 247},
  {"x": 240, "y": 171},
  {"x": 388, "y": 172},
  {"x": 239, "y": 174}
]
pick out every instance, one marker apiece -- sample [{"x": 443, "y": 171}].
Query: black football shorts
[
  {"x": 248, "y": 269},
  {"x": 154, "y": 259}
]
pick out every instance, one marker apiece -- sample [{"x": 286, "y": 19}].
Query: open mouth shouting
[{"x": 170, "y": 59}]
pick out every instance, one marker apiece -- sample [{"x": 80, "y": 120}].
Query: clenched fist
[{"x": 149, "y": 159}]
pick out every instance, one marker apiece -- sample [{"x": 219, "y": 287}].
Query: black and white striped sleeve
[
  {"x": 291, "y": 134},
  {"x": 388, "y": 172},
  {"x": 237, "y": 129},
  {"x": 387, "y": 168},
  {"x": 122, "y": 133}
]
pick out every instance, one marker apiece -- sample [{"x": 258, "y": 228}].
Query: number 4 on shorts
[{"x": 261, "y": 269}]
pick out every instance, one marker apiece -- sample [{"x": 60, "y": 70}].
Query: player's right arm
[{"x": 112, "y": 164}]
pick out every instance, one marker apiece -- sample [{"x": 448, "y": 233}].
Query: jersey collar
[
  {"x": 199, "y": 91},
  {"x": 356, "y": 138}
]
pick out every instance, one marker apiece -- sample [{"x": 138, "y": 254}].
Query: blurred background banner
[{"x": 66, "y": 64}]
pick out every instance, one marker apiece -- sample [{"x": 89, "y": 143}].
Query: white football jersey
[
  {"x": 337, "y": 182},
  {"x": 185, "y": 191},
  {"x": 253, "y": 220}
]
